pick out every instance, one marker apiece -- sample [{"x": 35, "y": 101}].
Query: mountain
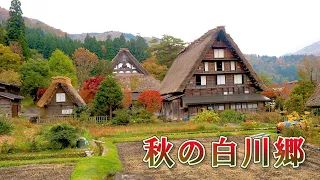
[
  {"x": 34, "y": 23},
  {"x": 280, "y": 69},
  {"x": 311, "y": 49}
]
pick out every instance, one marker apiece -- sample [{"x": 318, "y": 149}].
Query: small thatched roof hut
[
  {"x": 60, "y": 98},
  {"x": 314, "y": 100}
]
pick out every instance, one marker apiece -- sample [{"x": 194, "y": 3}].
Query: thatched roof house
[
  {"x": 60, "y": 98},
  {"x": 131, "y": 74},
  {"x": 314, "y": 100},
  {"x": 211, "y": 73},
  {"x": 10, "y": 101}
]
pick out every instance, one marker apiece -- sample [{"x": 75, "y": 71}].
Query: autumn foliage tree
[
  {"x": 84, "y": 61},
  {"x": 90, "y": 87},
  {"x": 127, "y": 98},
  {"x": 151, "y": 99},
  {"x": 153, "y": 66}
]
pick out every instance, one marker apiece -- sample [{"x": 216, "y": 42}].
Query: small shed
[
  {"x": 60, "y": 98},
  {"x": 10, "y": 101}
]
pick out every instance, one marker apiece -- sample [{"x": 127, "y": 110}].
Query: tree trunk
[{"x": 110, "y": 112}]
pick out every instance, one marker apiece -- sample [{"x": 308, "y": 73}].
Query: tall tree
[
  {"x": 35, "y": 74},
  {"x": 167, "y": 49},
  {"x": 102, "y": 68},
  {"x": 154, "y": 68},
  {"x": 61, "y": 65},
  {"x": 8, "y": 59},
  {"x": 84, "y": 61},
  {"x": 3, "y": 35},
  {"x": 108, "y": 97},
  {"x": 16, "y": 27},
  {"x": 10, "y": 77},
  {"x": 309, "y": 70},
  {"x": 93, "y": 45},
  {"x": 90, "y": 88}
]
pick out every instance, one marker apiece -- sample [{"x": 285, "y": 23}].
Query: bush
[
  {"x": 268, "y": 117},
  {"x": 142, "y": 116},
  {"x": 122, "y": 117},
  {"x": 82, "y": 110},
  {"x": 5, "y": 126},
  {"x": 207, "y": 116},
  {"x": 293, "y": 131},
  {"x": 61, "y": 136},
  {"x": 249, "y": 124},
  {"x": 231, "y": 116}
]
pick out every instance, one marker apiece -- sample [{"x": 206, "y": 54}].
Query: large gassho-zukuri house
[
  {"x": 132, "y": 75},
  {"x": 211, "y": 73}
]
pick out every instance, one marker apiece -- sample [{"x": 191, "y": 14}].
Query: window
[
  {"x": 238, "y": 79},
  {"x": 61, "y": 97},
  {"x": 221, "y": 107},
  {"x": 219, "y": 66},
  {"x": 233, "y": 66},
  {"x": 251, "y": 106},
  {"x": 230, "y": 90},
  {"x": 203, "y": 80},
  {"x": 198, "y": 80},
  {"x": 221, "y": 79},
  {"x": 246, "y": 91},
  {"x": 244, "y": 106},
  {"x": 67, "y": 111},
  {"x": 225, "y": 93},
  {"x": 210, "y": 108},
  {"x": 206, "y": 66},
  {"x": 238, "y": 106},
  {"x": 218, "y": 53},
  {"x": 233, "y": 106}
]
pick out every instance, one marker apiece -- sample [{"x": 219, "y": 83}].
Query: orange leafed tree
[
  {"x": 90, "y": 87},
  {"x": 151, "y": 99},
  {"x": 154, "y": 68},
  {"x": 84, "y": 61},
  {"x": 272, "y": 92},
  {"x": 127, "y": 98}
]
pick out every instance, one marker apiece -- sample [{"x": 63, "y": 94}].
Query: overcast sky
[{"x": 264, "y": 27}]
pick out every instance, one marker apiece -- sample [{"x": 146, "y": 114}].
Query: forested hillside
[{"x": 280, "y": 69}]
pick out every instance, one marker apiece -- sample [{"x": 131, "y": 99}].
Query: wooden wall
[
  {"x": 55, "y": 108},
  {"x": 5, "y": 106}
]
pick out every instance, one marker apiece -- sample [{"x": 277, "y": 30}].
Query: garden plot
[
  {"x": 37, "y": 172},
  {"x": 131, "y": 155}
]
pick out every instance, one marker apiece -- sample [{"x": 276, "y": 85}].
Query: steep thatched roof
[
  {"x": 314, "y": 100},
  {"x": 183, "y": 69},
  {"x": 138, "y": 82},
  {"x": 65, "y": 84},
  {"x": 124, "y": 53}
]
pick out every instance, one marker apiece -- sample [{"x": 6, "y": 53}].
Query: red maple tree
[
  {"x": 127, "y": 98},
  {"x": 151, "y": 99},
  {"x": 90, "y": 87}
]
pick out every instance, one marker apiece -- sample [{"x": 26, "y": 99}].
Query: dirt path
[
  {"x": 131, "y": 155},
  {"x": 37, "y": 172}
]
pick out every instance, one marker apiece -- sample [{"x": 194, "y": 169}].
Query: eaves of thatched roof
[
  {"x": 314, "y": 99},
  {"x": 184, "y": 65}
]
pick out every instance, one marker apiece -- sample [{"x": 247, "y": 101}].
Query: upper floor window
[
  {"x": 206, "y": 66},
  {"x": 218, "y": 53},
  {"x": 201, "y": 80},
  {"x": 61, "y": 97},
  {"x": 219, "y": 66},
  {"x": 221, "y": 79},
  {"x": 232, "y": 65},
  {"x": 238, "y": 79}
]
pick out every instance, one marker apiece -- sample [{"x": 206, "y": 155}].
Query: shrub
[
  {"x": 61, "y": 136},
  {"x": 293, "y": 131},
  {"x": 231, "y": 116},
  {"x": 122, "y": 117},
  {"x": 5, "y": 126},
  {"x": 142, "y": 116},
  {"x": 249, "y": 124},
  {"x": 269, "y": 117},
  {"x": 207, "y": 116}
]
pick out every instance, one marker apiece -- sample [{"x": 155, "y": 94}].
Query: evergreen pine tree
[
  {"x": 16, "y": 27},
  {"x": 108, "y": 97}
]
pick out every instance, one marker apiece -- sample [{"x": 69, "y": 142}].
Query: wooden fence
[{"x": 68, "y": 118}]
